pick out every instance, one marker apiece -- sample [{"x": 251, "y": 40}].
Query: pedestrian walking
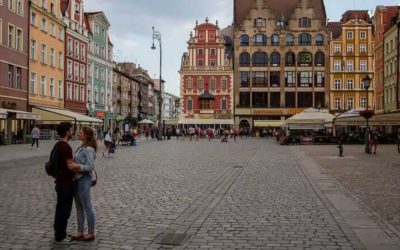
[
  {"x": 35, "y": 137},
  {"x": 64, "y": 180},
  {"x": 83, "y": 166},
  {"x": 234, "y": 132},
  {"x": 107, "y": 142},
  {"x": 373, "y": 141}
]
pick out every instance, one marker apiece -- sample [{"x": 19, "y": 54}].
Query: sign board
[{"x": 101, "y": 115}]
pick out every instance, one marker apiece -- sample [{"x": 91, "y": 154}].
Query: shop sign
[
  {"x": 294, "y": 111},
  {"x": 101, "y": 115},
  {"x": 268, "y": 112},
  {"x": 206, "y": 111},
  {"x": 9, "y": 105}
]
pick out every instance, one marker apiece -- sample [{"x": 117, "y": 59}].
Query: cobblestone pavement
[
  {"x": 374, "y": 179},
  {"x": 252, "y": 194}
]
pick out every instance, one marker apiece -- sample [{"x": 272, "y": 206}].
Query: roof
[
  {"x": 279, "y": 7},
  {"x": 355, "y": 14},
  {"x": 86, "y": 17},
  {"x": 335, "y": 28},
  {"x": 206, "y": 96}
]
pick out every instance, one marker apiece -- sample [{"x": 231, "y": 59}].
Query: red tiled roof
[
  {"x": 335, "y": 28},
  {"x": 355, "y": 14}
]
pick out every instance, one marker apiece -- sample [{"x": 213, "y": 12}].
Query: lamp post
[
  {"x": 157, "y": 36},
  {"x": 367, "y": 81}
]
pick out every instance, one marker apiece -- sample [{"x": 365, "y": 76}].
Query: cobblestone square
[{"x": 252, "y": 194}]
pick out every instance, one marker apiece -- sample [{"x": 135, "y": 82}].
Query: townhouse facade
[{"x": 391, "y": 70}]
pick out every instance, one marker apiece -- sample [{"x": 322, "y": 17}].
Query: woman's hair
[{"x": 90, "y": 137}]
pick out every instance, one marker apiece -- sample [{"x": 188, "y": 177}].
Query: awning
[
  {"x": 390, "y": 119},
  {"x": 55, "y": 116},
  {"x": 20, "y": 115},
  {"x": 171, "y": 121},
  {"x": 266, "y": 123},
  {"x": 306, "y": 126},
  {"x": 206, "y": 121},
  {"x": 3, "y": 114}
]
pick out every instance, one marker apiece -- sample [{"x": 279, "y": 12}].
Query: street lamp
[
  {"x": 367, "y": 81},
  {"x": 157, "y": 36}
]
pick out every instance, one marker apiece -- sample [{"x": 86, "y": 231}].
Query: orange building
[{"x": 46, "y": 63}]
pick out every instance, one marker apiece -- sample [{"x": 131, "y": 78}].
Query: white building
[{"x": 171, "y": 106}]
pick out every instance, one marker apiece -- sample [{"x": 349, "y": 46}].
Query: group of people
[
  {"x": 208, "y": 133},
  {"x": 73, "y": 181}
]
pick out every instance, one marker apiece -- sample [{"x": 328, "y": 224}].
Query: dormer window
[
  {"x": 304, "y": 22},
  {"x": 260, "y": 22}
]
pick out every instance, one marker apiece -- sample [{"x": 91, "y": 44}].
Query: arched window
[
  {"x": 319, "y": 39},
  {"x": 304, "y": 59},
  {"x": 319, "y": 59},
  {"x": 290, "y": 59},
  {"x": 244, "y": 59},
  {"x": 305, "y": 39},
  {"x": 289, "y": 39},
  {"x": 275, "y": 59},
  {"x": 260, "y": 40},
  {"x": 260, "y": 59},
  {"x": 275, "y": 39},
  {"x": 244, "y": 40}
]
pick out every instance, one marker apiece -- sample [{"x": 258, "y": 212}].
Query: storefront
[{"x": 206, "y": 123}]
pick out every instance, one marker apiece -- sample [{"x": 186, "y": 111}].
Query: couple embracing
[{"x": 73, "y": 179}]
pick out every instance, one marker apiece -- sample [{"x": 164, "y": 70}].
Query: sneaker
[{"x": 66, "y": 241}]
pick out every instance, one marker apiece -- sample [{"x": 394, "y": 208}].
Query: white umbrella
[{"x": 145, "y": 121}]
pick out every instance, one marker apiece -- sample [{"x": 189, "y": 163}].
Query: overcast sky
[{"x": 131, "y": 22}]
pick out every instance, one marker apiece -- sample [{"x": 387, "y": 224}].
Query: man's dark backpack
[{"x": 52, "y": 165}]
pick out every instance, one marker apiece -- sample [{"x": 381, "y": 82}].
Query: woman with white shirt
[{"x": 83, "y": 165}]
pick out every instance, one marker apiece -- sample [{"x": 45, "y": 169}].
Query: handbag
[{"x": 93, "y": 174}]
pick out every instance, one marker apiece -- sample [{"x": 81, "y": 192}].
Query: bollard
[{"x": 340, "y": 147}]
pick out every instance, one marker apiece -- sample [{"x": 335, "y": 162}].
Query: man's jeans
[
  {"x": 83, "y": 203},
  {"x": 65, "y": 197}
]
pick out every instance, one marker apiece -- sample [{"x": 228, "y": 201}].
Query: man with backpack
[{"x": 57, "y": 167}]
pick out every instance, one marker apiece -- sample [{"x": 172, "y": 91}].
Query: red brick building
[
  {"x": 207, "y": 79},
  {"x": 76, "y": 44}
]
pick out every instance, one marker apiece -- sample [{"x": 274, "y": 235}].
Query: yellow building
[
  {"x": 46, "y": 62},
  {"x": 390, "y": 74},
  {"x": 351, "y": 59}
]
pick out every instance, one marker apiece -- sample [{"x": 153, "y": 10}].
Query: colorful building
[
  {"x": 14, "y": 75},
  {"x": 46, "y": 61},
  {"x": 206, "y": 79},
  {"x": 100, "y": 68},
  {"x": 382, "y": 22},
  {"x": 351, "y": 59},
  {"x": 75, "y": 64},
  {"x": 390, "y": 80},
  {"x": 281, "y": 60}
]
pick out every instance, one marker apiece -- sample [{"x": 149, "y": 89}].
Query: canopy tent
[
  {"x": 268, "y": 124},
  {"x": 145, "y": 121},
  {"x": 55, "y": 116},
  {"x": 390, "y": 119},
  {"x": 310, "y": 119}
]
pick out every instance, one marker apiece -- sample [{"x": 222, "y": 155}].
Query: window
[
  {"x": 260, "y": 100},
  {"x": 363, "y": 66},
  {"x": 244, "y": 78},
  {"x": 319, "y": 79},
  {"x": 189, "y": 103},
  {"x": 290, "y": 79},
  {"x": 51, "y": 57},
  {"x": 200, "y": 63},
  {"x": 350, "y": 84},
  {"x": 33, "y": 50},
  {"x": 11, "y": 5},
  {"x": 363, "y": 48},
  {"x": 275, "y": 39},
  {"x": 275, "y": 79},
  {"x": 18, "y": 78},
  {"x": 60, "y": 60},
  {"x": 200, "y": 84},
  {"x": 52, "y": 87},
  {"x": 20, "y": 8},
  {"x": 212, "y": 63},
  {"x": 76, "y": 69},
  {"x": 338, "y": 66},
  {"x": 212, "y": 84},
  {"x": 244, "y": 59},
  {"x": 10, "y": 76},
  {"x": 61, "y": 33},
  {"x": 275, "y": 59},
  {"x": 305, "y": 79},
  {"x": 260, "y": 79},
  {"x": 260, "y": 59},
  {"x": 102, "y": 74},
  {"x": 96, "y": 95},
  {"x": 83, "y": 50},
  {"x": 244, "y": 99},
  {"x": 337, "y": 103},
  {"x": 52, "y": 8},
  {"x": 363, "y": 102},
  {"x": 60, "y": 88},
  {"x": 338, "y": 84},
  {"x": 305, "y": 59},
  {"x": 350, "y": 48},
  {"x": 223, "y": 84},
  {"x": 290, "y": 59},
  {"x": 11, "y": 36},
  {"x": 319, "y": 59},
  {"x": 103, "y": 51},
  {"x": 260, "y": 22},
  {"x": 19, "y": 40},
  {"x": 244, "y": 40},
  {"x": 319, "y": 39},
  {"x": 76, "y": 92},
  {"x": 212, "y": 52},
  {"x": 32, "y": 85},
  {"x": 350, "y": 66},
  {"x": 338, "y": 48},
  {"x": 350, "y": 35},
  {"x": 363, "y": 34},
  {"x": 350, "y": 103},
  {"x": 43, "y": 58},
  {"x": 82, "y": 72},
  {"x": 290, "y": 40},
  {"x": 82, "y": 99},
  {"x": 223, "y": 103},
  {"x": 44, "y": 24},
  {"x": 69, "y": 91},
  {"x": 304, "y": 22},
  {"x": 33, "y": 18},
  {"x": 260, "y": 40},
  {"x": 69, "y": 46},
  {"x": 189, "y": 84},
  {"x": 304, "y": 39},
  {"x": 43, "y": 4},
  {"x": 200, "y": 52},
  {"x": 76, "y": 49},
  {"x": 43, "y": 85},
  {"x": 96, "y": 72}
]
